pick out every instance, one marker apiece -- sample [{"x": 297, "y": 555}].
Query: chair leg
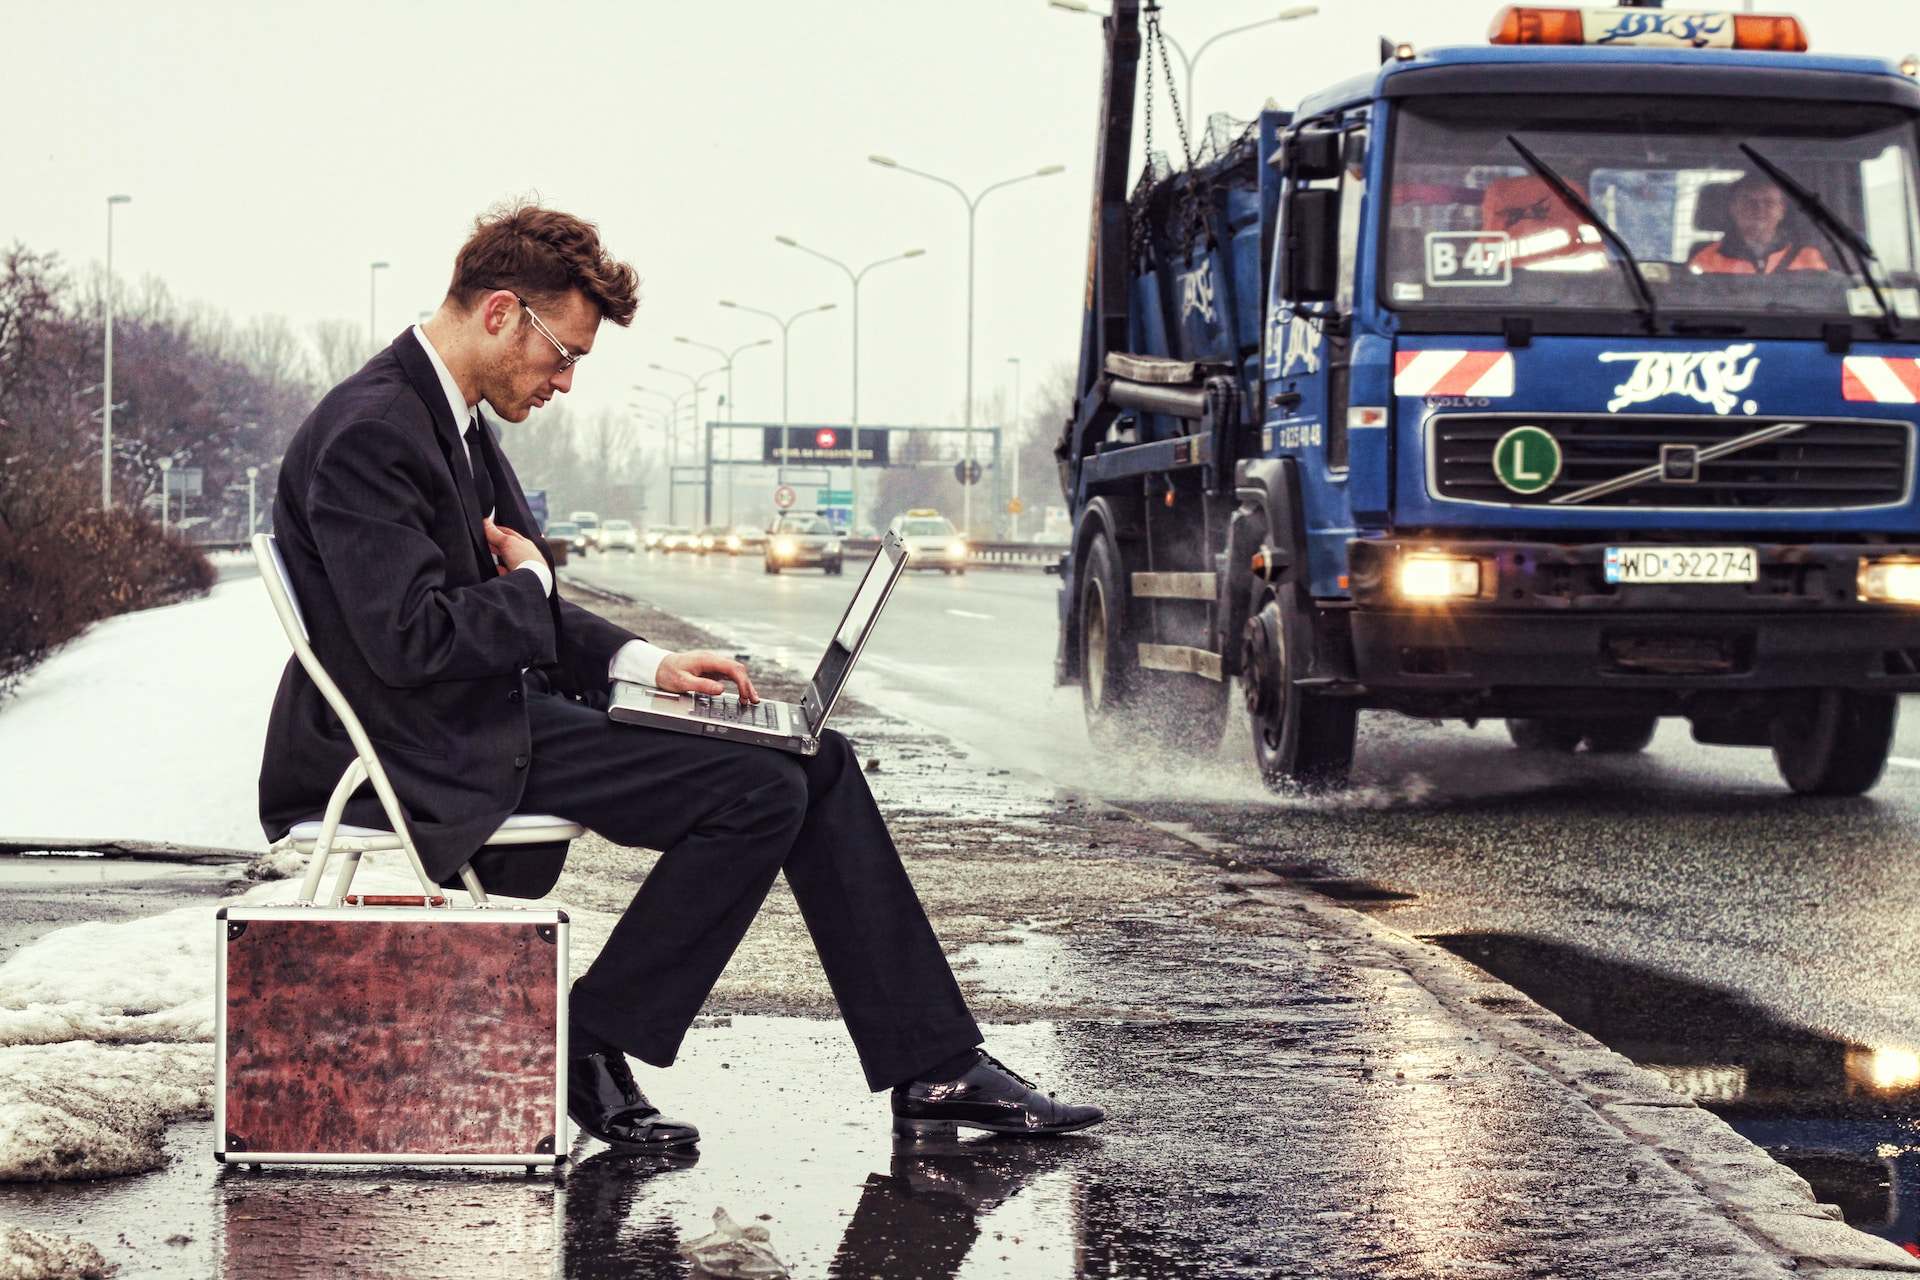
[
  {"x": 323, "y": 847},
  {"x": 349, "y": 863}
]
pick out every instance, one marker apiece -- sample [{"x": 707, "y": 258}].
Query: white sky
[{"x": 274, "y": 149}]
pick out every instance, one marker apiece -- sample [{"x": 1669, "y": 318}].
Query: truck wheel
[
  {"x": 1300, "y": 738},
  {"x": 1109, "y": 671},
  {"x": 1621, "y": 735},
  {"x": 1835, "y": 742},
  {"x": 1557, "y": 736}
]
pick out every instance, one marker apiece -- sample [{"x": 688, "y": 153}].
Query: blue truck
[{"x": 1568, "y": 378}]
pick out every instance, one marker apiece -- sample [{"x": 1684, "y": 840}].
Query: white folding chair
[{"x": 320, "y": 838}]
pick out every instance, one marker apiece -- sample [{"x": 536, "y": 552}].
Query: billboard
[{"x": 828, "y": 445}]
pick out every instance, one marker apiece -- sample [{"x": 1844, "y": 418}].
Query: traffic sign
[
  {"x": 826, "y": 438},
  {"x": 1015, "y": 507},
  {"x": 967, "y": 472},
  {"x": 783, "y": 497},
  {"x": 833, "y": 497}
]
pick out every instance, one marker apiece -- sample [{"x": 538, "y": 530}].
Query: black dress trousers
[{"x": 729, "y": 817}]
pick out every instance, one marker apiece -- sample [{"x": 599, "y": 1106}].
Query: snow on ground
[
  {"x": 148, "y": 727},
  {"x": 106, "y": 1031}
]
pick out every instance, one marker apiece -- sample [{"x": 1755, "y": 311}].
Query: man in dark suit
[{"x": 432, "y": 603}]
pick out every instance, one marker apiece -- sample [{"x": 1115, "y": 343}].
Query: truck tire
[
  {"x": 1835, "y": 742},
  {"x": 1621, "y": 735},
  {"x": 1109, "y": 666},
  {"x": 1560, "y": 737},
  {"x": 1301, "y": 739}
]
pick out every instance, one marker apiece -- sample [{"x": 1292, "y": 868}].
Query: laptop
[{"x": 784, "y": 726}]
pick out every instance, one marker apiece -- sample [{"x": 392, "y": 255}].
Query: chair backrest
[{"x": 273, "y": 573}]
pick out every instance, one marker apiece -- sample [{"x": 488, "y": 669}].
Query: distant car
[
  {"x": 714, "y": 538},
  {"x": 865, "y": 531},
  {"x": 796, "y": 541},
  {"x": 747, "y": 538},
  {"x": 651, "y": 538},
  {"x": 619, "y": 535},
  {"x": 589, "y": 522},
  {"x": 932, "y": 541},
  {"x": 570, "y": 533},
  {"x": 678, "y": 538}
]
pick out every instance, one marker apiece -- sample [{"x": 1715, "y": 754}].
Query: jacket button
[
  {"x": 513, "y": 695},
  {"x": 519, "y": 762}
]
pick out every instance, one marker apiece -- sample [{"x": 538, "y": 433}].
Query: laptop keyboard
[{"x": 758, "y": 715}]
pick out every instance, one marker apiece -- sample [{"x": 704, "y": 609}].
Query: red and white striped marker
[
  {"x": 1453, "y": 373},
  {"x": 1881, "y": 379}
]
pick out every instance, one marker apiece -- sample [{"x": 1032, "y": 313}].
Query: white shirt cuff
[
  {"x": 540, "y": 570},
  {"x": 637, "y": 662}
]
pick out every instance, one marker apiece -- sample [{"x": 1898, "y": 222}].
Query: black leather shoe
[
  {"x": 987, "y": 1096},
  {"x": 605, "y": 1102}
]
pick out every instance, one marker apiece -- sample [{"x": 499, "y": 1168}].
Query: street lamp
[
  {"x": 253, "y": 474},
  {"x": 672, "y": 417},
  {"x": 785, "y": 325},
  {"x": 1288, "y": 14},
  {"x": 693, "y": 389},
  {"x": 728, "y": 356},
  {"x": 1018, "y": 438},
  {"x": 166, "y": 465},
  {"x": 854, "y": 278},
  {"x": 373, "y": 282},
  {"x": 973, "y": 207},
  {"x": 106, "y": 383}
]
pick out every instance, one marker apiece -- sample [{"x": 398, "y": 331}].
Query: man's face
[
  {"x": 1757, "y": 213},
  {"x": 524, "y": 369}
]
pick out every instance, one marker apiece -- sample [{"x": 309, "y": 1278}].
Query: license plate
[{"x": 1682, "y": 564}]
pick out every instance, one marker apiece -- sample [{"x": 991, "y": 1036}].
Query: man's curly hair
[{"x": 542, "y": 253}]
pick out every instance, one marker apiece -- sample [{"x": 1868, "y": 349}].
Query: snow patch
[{"x": 38, "y": 1255}]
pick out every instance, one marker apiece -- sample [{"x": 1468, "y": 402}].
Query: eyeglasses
[{"x": 567, "y": 358}]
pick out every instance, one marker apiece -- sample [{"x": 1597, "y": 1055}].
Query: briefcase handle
[{"x": 393, "y": 900}]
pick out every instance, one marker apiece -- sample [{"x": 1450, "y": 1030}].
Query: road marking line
[
  {"x": 1905, "y": 762},
  {"x": 962, "y": 613}
]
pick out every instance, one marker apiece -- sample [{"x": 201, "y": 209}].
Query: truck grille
[{"x": 1830, "y": 465}]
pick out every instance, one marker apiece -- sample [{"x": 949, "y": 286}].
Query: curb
[{"x": 1770, "y": 1203}]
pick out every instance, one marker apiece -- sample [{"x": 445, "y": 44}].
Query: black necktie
[{"x": 477, "y": 462}]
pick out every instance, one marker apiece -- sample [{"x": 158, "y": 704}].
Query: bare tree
[{"x": 339, "y": 350}]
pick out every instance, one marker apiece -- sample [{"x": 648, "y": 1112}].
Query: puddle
[{"x": 1845, "y": 1116}]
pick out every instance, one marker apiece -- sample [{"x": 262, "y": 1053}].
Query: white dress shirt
[{"x": 636, "y": 661}]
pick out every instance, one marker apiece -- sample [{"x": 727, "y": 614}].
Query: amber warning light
[{"x": 1657, "y": 28}]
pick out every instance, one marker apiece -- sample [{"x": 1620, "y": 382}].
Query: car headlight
[
  {"x": 784, "y": 546},
  {"x": 733, "y": 542},
  {"x": 1890, "y": 581},
  {"x": 1435, "y": 578},
  {"x": 956, "y": 548}
]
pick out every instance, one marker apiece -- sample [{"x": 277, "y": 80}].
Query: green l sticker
[{"x": 1527, "y": 460}]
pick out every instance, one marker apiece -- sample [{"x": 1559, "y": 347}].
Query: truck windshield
[{"x": 1473, "y": 226}]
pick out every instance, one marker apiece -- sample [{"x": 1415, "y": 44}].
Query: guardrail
[{"x": 1042, "y": 556}]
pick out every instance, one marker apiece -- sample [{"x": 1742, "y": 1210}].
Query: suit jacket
[{"x": 379, "y": 524}]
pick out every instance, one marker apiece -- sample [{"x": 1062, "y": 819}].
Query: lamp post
[
  {"x": 728, "y": 356},
  {"x": 672, "y": 416},
  {"x": 853, "y": 278},
  {"x": 253, "y": 474},
  {"x": 1019, "y": 437},
  {"x": 106, "y": 383},
  {"x": 166, "y": 465},
  {"x": 780, "y": 467},
  {"x": 1288, "y": 14},
  {"x": 373, "y": 288},
  {"x": 693, "y": 389},
  {"x": 973, "y": 206}
]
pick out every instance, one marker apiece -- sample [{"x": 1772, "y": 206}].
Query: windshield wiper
[
  {"x": 1649, "y": 309},
  {"x": 1837, "y": 232}
]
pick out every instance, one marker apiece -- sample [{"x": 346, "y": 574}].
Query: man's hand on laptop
[
  {"x": 698, "y": 671},
  {"x": 509, "y": 547}
]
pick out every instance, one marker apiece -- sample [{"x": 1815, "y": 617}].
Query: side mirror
[
  {"x": 1312, "y": 245},
  {"x": 1313, "y": 154}
]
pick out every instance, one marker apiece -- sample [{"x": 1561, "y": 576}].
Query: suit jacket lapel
[{"x": 427, "y": 384}]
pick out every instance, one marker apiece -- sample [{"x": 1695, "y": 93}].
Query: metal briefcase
[{"x": 390, "y": 1030}]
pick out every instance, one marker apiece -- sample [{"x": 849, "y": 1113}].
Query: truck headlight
[
  {"x": 1431, "y": 578},
  {"x": 1890, "y": 581}
]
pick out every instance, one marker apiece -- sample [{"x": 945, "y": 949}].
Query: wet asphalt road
[{"x": 1756, "y": 948}]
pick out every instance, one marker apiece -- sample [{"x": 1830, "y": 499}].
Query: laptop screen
[{"x": 857, "y": 624}]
